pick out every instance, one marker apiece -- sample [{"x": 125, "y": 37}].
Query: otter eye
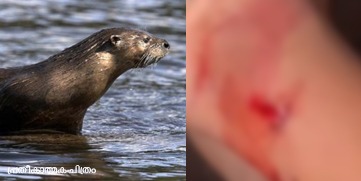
[
  {"x": 146, "y": 40},
  {"x": 116, "y": 40}
]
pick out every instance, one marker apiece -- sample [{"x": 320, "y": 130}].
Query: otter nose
[{"x": 166, "y": 44}]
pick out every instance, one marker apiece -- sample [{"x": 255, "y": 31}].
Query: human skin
[{"x": 276, "y": 86}]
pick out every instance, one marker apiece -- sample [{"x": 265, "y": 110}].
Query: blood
[{"x": 265, "y": 109}]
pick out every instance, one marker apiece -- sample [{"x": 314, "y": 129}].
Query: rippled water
[{"x": 137, "y": 130}]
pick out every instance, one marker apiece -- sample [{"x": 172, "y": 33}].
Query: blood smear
[{"x": 265, "y": 109}]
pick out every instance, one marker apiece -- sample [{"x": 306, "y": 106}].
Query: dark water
[{"x": 137, "y": 130}]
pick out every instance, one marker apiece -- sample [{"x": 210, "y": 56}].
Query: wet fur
[{"x": 55, "y": 94}]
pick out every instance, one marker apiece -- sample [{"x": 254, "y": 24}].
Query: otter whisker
[
  {"x": 142, "y": 60},
  {"x": 145, "y": 60}
]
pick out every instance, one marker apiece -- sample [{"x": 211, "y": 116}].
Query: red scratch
[{"x": 265, "y": 109}]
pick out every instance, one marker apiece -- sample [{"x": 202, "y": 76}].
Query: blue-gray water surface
[{"x": 136, "y": 131}]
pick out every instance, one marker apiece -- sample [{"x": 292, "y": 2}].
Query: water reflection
[{"x": 51, "y": 150}]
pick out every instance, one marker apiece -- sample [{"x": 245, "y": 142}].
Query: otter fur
[{"x": 55, "y": 94}]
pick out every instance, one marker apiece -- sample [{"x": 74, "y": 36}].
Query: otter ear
[{"x": 116, "y": 40}]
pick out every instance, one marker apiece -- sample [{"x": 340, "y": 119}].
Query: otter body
[{"x": 56, "y": 93}]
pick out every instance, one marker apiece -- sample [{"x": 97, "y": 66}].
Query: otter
[{"x": 55, "y": 94}]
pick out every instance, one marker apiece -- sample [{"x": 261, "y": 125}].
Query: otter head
[
  {"x": 100, "y": 58},
  {"x": 136, "y": 48}
]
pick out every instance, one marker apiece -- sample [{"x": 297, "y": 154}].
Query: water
[{"x": 137, "y": 130}]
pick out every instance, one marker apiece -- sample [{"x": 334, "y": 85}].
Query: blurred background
[{"x": 137, "y": 130}]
